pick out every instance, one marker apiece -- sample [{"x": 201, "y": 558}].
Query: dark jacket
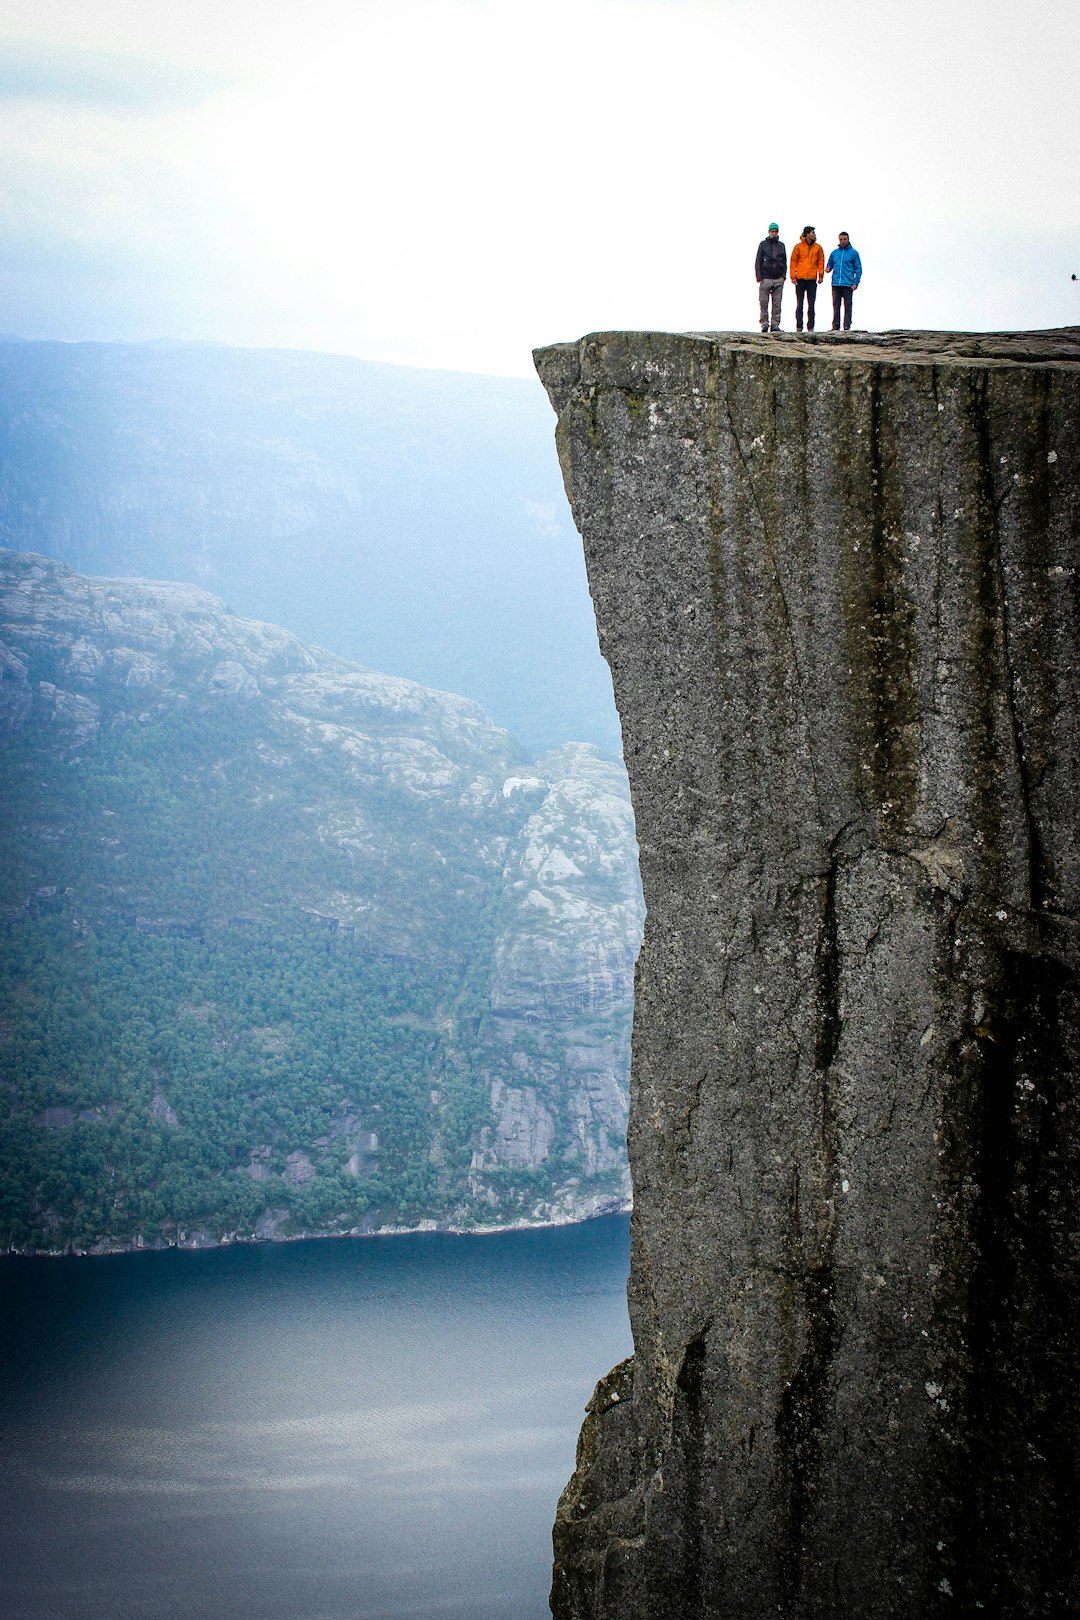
[{"x": 771, "y": 261}]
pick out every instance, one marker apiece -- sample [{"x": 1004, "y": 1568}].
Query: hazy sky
[{"x": 450, "y": 182}]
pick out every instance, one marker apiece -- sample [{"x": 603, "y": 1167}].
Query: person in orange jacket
[{"x": 807, "y": 271}]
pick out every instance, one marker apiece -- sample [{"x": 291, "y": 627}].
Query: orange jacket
[{"x": 807, "y": 263}]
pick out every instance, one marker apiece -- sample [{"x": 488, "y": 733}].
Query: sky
[{"x": 449, "y": 183}]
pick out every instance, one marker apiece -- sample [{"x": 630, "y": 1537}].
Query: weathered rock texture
[{"x": 836, "y": 584}]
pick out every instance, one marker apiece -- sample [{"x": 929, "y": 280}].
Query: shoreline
[{"x": 198, "y": 1242}]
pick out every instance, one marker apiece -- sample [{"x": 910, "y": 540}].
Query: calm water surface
[{"x": 308, "y": 1431}]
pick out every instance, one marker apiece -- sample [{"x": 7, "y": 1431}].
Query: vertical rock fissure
[
  {"x": 802, "y": 1421},
  {"x": 992, "y": 504},
  {"x": 768, "y": 529},
  {"x": 1013, "y": 1372},
  {"x": 689, "y": 1424},
  {"x": 828, "y": 976},
  {"x": 893, "y": 661}
]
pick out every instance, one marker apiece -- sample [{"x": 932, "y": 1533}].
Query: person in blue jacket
[{"x": 845, "y": 267}]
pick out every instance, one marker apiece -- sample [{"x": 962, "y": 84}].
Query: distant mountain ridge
[
  {"x": 413, "y": 519},
  {"x": 290, "y": 945}
]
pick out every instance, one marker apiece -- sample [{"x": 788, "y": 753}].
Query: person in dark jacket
[
  {"x": 845, "y": 267},
  {"x": 770, "y": 267}
]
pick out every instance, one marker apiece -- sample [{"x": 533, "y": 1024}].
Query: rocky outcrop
[
  {"x": 14, "y": 691},
  {"x": 568, "y": 925},
  {"x": 134, "y": 632},
  {"x": 836, "y": 584},
  {"x": 570, "y": 912}
]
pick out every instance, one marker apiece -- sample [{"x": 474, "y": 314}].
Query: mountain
[
  {"x": 290, "y": 945},
  {"x": 412, "y": 519}
]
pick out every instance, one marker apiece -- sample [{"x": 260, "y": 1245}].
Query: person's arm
[
  {"x": 858, "y": 266},
  {"x": 829, "y": 266},
  {"x": 757, "y": 261},
  {"x": 820, "y": 263}
]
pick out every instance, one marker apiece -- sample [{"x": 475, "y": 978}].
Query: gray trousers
[{"x": 772, "y": 287}]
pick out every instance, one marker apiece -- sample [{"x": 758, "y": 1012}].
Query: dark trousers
[
  {"x": 807, "y": 290},
  {"x": 841, "y": 295}
]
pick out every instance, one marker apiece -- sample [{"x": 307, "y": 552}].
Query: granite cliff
[
  {"x": 288, "y": 944},
  {"x": 836, "y": 584}
]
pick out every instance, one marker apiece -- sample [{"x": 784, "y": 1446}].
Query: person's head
[
  {"x": 844, "y": 238},
  {"x": 774, "y": 229},
  {"x": 809, "y": 234}
]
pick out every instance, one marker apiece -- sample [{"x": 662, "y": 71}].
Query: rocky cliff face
[
  {"x": 174, "y": 772},
  {"x": 836, "y": 583}
]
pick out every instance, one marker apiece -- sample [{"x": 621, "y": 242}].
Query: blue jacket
[{"x": 846, "y": 267}]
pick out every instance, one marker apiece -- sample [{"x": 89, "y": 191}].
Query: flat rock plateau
[{"x": 835, "y": 580}]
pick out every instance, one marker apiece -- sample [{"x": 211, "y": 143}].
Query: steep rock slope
[
  {"x": 291, "y": 944},
  {"x": 836, "y": 583}
]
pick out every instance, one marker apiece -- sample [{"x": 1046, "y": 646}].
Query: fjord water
[{"x": 365, "y": 1429}]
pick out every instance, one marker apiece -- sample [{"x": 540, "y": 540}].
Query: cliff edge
[{"x": 836, "y": 583}]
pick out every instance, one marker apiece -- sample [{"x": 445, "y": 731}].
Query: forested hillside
[{"x": 290, "y": 945}]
